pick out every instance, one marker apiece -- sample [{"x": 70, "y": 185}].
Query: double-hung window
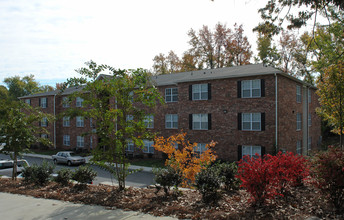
[
  {"x": 200, "y": 122},
  {"x": 44, "y": 122},
  {"x": 129, "y": 120},
  {"x": 79, "y": 101},
  {"x": 66, "y": 121},
  {"x": 298, "y": 94},
  {"x": 309, "y": 120},
  {"x": 171, "y": 94},
  {"x": 80, "y": 121},
  {"x": 65, "y": 102},
  {"x": 309, "y": 143},
  {"x": 171, "y": 121},
  {"x": 148, "y": 146},
  {"x": 309, "y": 96},
  {"x": 200, "y": 92},
  {"x": 251, "y": 122},
  {"x": 251, "y": 88},
  {"x": 200, "y": 148},
  {"x": 298, "y": 121},
  {"x": 130, "y": 146},
  {"x": 43, "y": 102},
  {"x": 149, "y": 121},
  {"x": 44, "y": 136},
  {"x": 66, "y": 140},
  {"x": 28, "y": 101},
  {"x": 80, "y": 141},
  {"x": 251, "y": 151}
]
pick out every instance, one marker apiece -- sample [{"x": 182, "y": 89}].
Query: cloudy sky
[{"x": 52, "y": 38}]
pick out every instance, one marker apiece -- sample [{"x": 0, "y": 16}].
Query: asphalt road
[{"x": 138, "y": 179}]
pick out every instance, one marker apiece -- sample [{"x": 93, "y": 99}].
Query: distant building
[{"x": 246, "y": 109}]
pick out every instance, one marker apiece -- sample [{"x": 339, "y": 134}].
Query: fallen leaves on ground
[{"x": 304, "y": 201}]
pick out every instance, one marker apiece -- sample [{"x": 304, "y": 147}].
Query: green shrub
[
  {"x": 227, "y": 173},
  {"x": 39, "y": 175},
  {"x": 207, "y": 183},
  {"x": 84, "y": 175},
  {"x": 167, "y": 178},
  {"x": 63, "y": 176}
]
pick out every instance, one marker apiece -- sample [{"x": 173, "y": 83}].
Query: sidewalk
[
  {"x": 15, "y": 207},
  {"x": 131, "y": 167}
]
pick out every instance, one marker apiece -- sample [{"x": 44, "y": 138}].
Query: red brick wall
[{"x": 224, "y": 125}]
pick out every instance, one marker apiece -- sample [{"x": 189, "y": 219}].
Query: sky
[{"x": 52, "y": 38}]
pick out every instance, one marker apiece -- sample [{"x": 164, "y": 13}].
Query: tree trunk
[{"x": 14, "y": 171}]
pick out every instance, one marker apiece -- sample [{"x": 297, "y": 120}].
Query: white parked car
[
  {"x": 68, "y": 157},
  {"x": 6, "y": 167}
]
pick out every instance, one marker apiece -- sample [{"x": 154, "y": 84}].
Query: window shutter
[
  {"x": 239, "y": 89},
  {"x": 262, "y": 118},
  {"x": 40, "y": 123},
  {"x": 209, "y": 91},
  {"x": 190, "y": 121},
  {"x": 209, "y": 121},
  {"x": 239, "y": 152},
  {"x": 262, "y": 151},
  {"x": 239, "y": 121},
  {"x": 190, "y": 92},
  {"x": 262, "y": 87}
]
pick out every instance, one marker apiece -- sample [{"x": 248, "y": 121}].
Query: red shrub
[{"x": 271, "y": 176}]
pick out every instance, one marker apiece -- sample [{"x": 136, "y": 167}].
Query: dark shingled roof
[{"x": 192, "y": 76}]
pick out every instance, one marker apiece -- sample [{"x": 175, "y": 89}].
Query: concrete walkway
[
  {"x": 15, "y": 207},
  {"x": 132, "y": 167}
]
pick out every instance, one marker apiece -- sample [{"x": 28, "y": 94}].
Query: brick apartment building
[{"x": 245, "y": 109}]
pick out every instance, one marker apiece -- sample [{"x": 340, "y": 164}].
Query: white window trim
[
  {"x": 65, "y": 102},
  {"x": 251, "y": 122},
  {"x": 44, "y": 122},
  {"x": 171, "y": 95},
  {"x": 66, "y": 121},
  {"x": 200, "y": 91},
  {"x": 130, "y": 146},
  {"x": 169, "y": 119},
  {"x": 200, "y": 148},
  {"x": 251, "y": 88},
  {"x": 43, "y": 103},
  {"x": 79, "y": 101},
  {"x": 149, "y": 121},
  {"x": 80, "y": 122},
  {"x": 204, "y": 119},
  {"x": 66, "y": 140},
  {"x": 251, "y": 147},
  {"x": 148, "y": 147},
  {"x": 80, "y": 141}
]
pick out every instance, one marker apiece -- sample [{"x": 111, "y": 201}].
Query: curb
[{"x": 132, "y": 167}]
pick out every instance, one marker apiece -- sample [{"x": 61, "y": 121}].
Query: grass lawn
[
  {"x": 44, "y": 151},
  {"x": 148, "y": 162}
]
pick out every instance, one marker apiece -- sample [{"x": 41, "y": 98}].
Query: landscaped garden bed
[{"x": 304, "y": 201}]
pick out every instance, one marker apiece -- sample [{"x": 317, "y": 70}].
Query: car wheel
[
  {"x": 69, "y": 163},
  {"x": 55, "y": 161}
]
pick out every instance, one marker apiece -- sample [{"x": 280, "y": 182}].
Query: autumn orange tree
[
  {"x": 183, "y": 157},
  {"x": 331, "y": 97}
]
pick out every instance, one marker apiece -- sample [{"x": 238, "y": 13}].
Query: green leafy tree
[
  {"x": 296, "y": 13},
  {"x": 26, "y": 85},
  {"x": 331, "y": 97},
  {"x": 118, "y": 103},
  {"x": 21, "y": 130}
]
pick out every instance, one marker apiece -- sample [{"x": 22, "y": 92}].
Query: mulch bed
[{"x": 303, "y": 203}]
